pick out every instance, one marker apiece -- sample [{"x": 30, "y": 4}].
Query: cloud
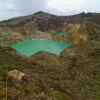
[
  {"x": 9, "y": 9},
  {"x": 14, "y": 8},
  {"x": 30, "y": 6},
  {"x": 63, "y": 7}
]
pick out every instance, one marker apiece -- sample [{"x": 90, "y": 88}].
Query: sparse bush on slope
[{"x": 8, "y": 37}]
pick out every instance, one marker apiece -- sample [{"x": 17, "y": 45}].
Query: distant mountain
[
  {"x": 48, "y": 17},
  {"x": 23, "y": 27}
]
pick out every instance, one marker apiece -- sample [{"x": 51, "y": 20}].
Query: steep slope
[
  {"x": 8, "y": 36},
  {"x": 28, "y": 27},
  {"x": 84, "y": 54},
  {"x": 88, "y": 30},
  {"x": 74, "y": 76}
]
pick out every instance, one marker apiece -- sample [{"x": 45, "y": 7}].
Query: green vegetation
[
  {"x": 7, "y": 37},
  {"x": 15, "y": 21},
  {"x": 95, "y": 19},
  {"x": 9, "y": 67},
  {"x": 65, "y": 77}
]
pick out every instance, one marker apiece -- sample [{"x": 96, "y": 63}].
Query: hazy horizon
[{"x": 15, "y": 8}]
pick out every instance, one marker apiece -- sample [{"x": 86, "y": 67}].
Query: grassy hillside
[
  {"x": 15, "y": 21},
  {"x": 73, "y": 76}
]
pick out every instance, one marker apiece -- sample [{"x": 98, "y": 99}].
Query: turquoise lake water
[{"x": 30, "y": 47}]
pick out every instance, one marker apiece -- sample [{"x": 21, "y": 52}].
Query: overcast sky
[{"x": 14, "y": 8}]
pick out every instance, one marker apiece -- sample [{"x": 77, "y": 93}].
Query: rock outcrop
[{"x": 16, "y": 74}]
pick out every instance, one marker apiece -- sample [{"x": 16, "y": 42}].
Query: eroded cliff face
[
  {"x": 41, "y": 25},
  {"x": 84, "y": 32}
]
